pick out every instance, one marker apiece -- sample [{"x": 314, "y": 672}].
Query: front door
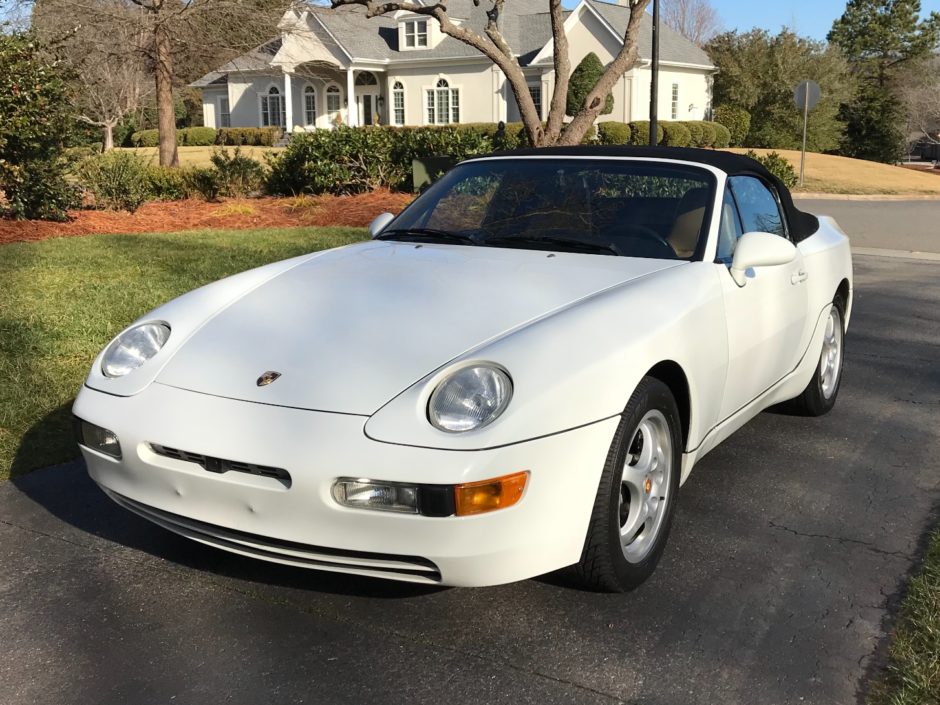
[
  {"x": 368, "y": 106},
  {"x": 767, "y": 317}
]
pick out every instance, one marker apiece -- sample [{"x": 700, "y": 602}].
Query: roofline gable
[
  {"x": 573, "y": 18},
  {"x": 331, "y": 35}
]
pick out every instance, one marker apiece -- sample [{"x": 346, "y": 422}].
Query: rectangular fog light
[
  {"x": 383, "y": 496},
  {"x": 98, "y": 438}
]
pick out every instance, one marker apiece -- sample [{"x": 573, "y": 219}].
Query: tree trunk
[
  {"x": 107, "y": 137},
  {"x": 166, "y": 115}
]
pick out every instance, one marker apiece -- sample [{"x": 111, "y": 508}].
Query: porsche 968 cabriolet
[{"x": 514, "y": 375}]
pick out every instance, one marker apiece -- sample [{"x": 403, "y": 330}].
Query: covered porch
[{"x": 318, "y": 95}]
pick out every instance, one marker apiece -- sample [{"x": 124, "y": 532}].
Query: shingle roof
[
  {"x": 525, "y": 24},
  {"x": 672, "y": 45}
]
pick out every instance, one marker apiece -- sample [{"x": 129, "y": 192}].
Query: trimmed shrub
[
  {"x": 675, "y": 134},
  {"x": 709, "y": 135},
  {"x": 204, "y": 181},
  {"x": 737, "y": 120},
  {"x": 722, "y": 135},
  {"x": 695, "y": 132},
  {"x": 146, "y": 138},
  {"x": 166, "y": 183},
  {"x": 776, "y": 165},
  {"x": 640, "y": 133},
  {"x": 248, "y": 136},
  {"x": 613, "y": 133},
  {"x": 117, "y": 180},
  {"x": 238, "y": 175},
  {"x": 583, "y": 79},
  {"x": 196, "y": 136}
]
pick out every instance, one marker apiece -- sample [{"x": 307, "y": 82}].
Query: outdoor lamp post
[{"x": 654, "y": 81}]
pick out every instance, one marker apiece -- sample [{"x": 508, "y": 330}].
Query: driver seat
[{"x": 687, "y": 226}]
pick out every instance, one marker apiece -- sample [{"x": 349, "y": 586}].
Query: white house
[{"x": 332, "y": 67}]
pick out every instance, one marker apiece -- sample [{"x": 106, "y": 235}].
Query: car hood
[{"x": 350, "y": 329}]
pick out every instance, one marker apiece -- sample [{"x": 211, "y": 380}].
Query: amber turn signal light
[{"x": 488, "y": 495}]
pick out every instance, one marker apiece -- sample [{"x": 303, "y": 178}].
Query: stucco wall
[
  {"x": 694, "y": 93},
  {"x": 478, "y": 84}
]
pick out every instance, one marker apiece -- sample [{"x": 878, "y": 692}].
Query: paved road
[
  {"x": 892, "y": 225},
  {"x": 791, "y": 544}
]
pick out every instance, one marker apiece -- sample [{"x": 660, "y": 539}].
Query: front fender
[
  {"x": 185, "y": 315},
  {"x": 581, "y": 364}
]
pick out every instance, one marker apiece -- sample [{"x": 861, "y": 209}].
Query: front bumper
[{"x": 303, "y": 525}]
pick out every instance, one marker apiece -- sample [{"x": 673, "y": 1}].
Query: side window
[
  {"x": 758, "y": 206},
  {"x": 729, "y": 230}
]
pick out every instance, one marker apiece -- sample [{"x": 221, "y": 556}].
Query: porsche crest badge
[{"x": 268, "y": 377}]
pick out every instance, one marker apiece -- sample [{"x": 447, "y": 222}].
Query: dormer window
[{"x": 416, "y": 34}]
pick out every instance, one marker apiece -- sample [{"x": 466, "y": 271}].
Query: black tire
[
  {"x": 813, "y": 401},
  {"x": 604, "y": 565}
]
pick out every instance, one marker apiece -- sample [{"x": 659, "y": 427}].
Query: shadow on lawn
[{"x": 54, "y": 431}]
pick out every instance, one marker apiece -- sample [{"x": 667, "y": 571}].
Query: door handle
[{"x": 799, "y": 277}]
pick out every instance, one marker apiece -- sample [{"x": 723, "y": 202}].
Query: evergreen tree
[
  {"x": 757, "y": 72},
  {"x": 879, "y": 37},
  {"x": 35, "y": 124},
  {"x": 583, "y": 79}
]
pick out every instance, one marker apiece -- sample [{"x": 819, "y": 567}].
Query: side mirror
[
  {"x": 379, "y": 223},
  {"x": 758, "y": 249}
]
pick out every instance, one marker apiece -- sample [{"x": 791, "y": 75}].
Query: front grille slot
[
  {"x": 385, "y": 565},
  {"x": 220, "y": 465}
]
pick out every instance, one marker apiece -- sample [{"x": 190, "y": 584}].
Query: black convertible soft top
[{"x": 802, "y": 224}]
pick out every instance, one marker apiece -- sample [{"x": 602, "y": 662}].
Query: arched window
[
  {"x": 333, "y": 102},
  {"x": 398, "y": 103},
  {"x": 273, "y": 109},
  {"x": 443, "y": 103},
  {"x": 366, "y": 78},
  {"x": 310, "y": 105}
]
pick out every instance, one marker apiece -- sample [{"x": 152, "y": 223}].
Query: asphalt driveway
[
  {"x": 791, "y": 543},
  {"x": 893, "y": 225}
]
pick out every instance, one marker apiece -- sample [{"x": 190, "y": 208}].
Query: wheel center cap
[{"x": 648, "y": 485}]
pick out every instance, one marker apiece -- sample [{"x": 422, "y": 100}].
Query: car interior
[{"x": 657, "y": 212}]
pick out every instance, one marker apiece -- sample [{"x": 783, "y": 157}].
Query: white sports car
[{"x": 514, "y": 375}]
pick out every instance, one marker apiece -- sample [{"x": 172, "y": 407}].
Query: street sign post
[{"x": 805, "y": 95}]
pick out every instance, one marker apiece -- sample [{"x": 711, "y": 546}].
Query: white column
[
  {"x": 352, "y": 112},
  {"x": 288, "y": 103}
]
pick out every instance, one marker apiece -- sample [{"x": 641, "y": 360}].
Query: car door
[{"x": 766, "y": 317}]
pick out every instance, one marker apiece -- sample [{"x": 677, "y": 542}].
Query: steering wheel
[{"x": 643, "y": 232}]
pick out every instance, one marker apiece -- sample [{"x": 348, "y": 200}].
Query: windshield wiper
[
  {"x": 569, "y": 244},
  {"x": 426, "y": 235}
]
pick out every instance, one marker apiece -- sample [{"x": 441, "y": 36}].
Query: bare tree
[
  {"x": 163, "y": 34},
  {"x": 492, "y": 44},
  {"x": 111, "y": 82},
  {"x": 696, "y": 20},
  {"x": 919, "y": 92}
]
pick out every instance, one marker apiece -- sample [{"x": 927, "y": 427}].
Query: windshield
[{"x": 609, "y": 207}]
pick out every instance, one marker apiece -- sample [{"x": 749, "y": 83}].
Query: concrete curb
[
  {"x": 896, "y": 254},
  {"x": 861, "y": 197}
]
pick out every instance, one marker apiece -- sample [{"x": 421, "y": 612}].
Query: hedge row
[
  {"x": 353, "y": 160},
  {"x": 121, "y": 180},
  {"x": 208, "y": 136},
  {"x": 668, "y": 134}
]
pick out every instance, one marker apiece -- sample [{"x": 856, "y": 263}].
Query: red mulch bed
[{"x": 175, "y": 216}]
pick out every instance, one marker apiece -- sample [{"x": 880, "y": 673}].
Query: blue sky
[{"x": 808, "y": 17}]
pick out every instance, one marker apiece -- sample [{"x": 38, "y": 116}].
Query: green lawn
[
  {"x": 913, "y": 674},
  {"x": 63, "y": 299}
]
